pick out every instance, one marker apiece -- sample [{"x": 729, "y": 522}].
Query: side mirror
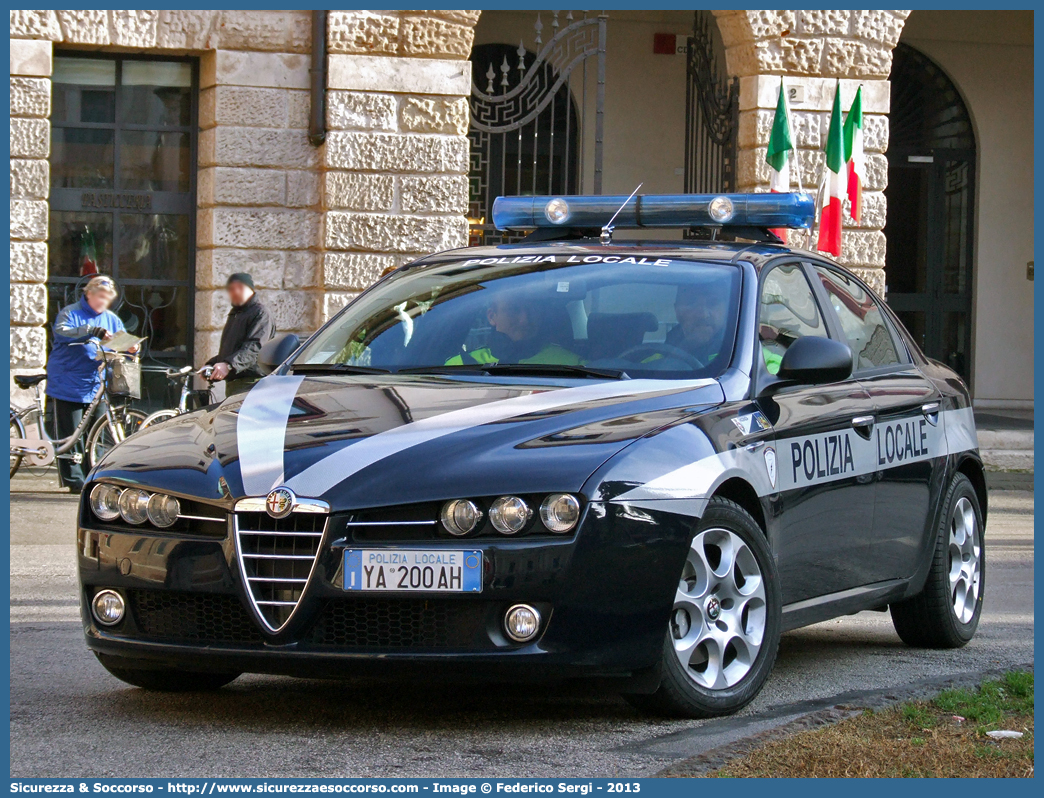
[
  {"x": 815, "y": 361},
  {"x": 276, "y": 351}
]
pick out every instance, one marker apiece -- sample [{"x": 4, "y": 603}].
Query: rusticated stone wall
[
  {"x": 811, "y": 50},
  {"x": 395, "y": 163},
  {"x": 314, "y": 225}
]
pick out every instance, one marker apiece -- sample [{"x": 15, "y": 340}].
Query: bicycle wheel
[
  {"x": 17, "y": 431},
  {"x": 100, "y": 440},
  {"x": 157, "y": 417}
]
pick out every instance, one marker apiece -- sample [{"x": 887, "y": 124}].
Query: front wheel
[
  {"x": 945, "y": 614},
  {"x": 725, "y": 625},
  {"x": 100, "y": 439},
  {"x": 165, "y": 680},
  {"x": 17, "y": 431}
]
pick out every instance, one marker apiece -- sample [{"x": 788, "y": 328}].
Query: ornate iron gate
[
  {"x": 529, "y": 117},
  {"x": 711, "y": 113}
]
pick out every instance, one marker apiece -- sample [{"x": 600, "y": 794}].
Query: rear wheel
[
  {"x": 17, "y": 431},
  {"x": 724, "y": 629},
  {"x": 946, "y": 613},
  {"x": 100, "y": 439},
  {"x": 167, "y": 680}
]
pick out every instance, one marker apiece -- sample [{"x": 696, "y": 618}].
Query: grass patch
[{"x": 945, "y": 737}]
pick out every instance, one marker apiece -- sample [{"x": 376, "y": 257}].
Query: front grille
[
  {"x": 211, "y": 618},
  {"x": 402, "y": 523},
  {"x": 400, "y": 623},
  {"x": 276, "y": 557}
]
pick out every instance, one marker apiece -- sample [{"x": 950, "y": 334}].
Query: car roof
[{"x": 757, "y": 254}]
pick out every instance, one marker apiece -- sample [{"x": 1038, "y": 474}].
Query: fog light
[
  {"x": 108, "y": 607},
  {"x": 557, "y": 210},
  {"x": 720, "y": 209},
  {"x": 163, "y": 510},
  {"x": 460, "y": 517},
  {"x": 560, "y": 512},
  {"x": 509, "y": 515},
  {"x": 134, "y": 506},
  {"x": 105, "y": 502},
  {"x": 521, "y": 623}
]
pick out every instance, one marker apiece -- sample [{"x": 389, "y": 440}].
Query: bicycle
[
  {"x": 184, "y": 376},
  {"x": 117, "y": 423}
]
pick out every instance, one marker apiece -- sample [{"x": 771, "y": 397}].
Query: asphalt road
[{"x": 70, "y": 718}]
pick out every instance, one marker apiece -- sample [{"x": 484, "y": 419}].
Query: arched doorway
[{"x": 931, "y": 208}]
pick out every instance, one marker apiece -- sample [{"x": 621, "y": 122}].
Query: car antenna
[{"x": 607, "y": 232}]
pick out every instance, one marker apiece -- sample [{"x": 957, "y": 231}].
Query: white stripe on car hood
[
  {"x": 324, "y": 474},
  {"x": 261, "y": 432}
]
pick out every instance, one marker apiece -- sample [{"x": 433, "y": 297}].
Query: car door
[
  {"x": 906, "y": 434},
  {"x": 826, "y": 501}
]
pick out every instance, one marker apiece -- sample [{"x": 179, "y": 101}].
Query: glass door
[
  {"x": 929, "y": 258},
  {"x": 123, "y": 180}
]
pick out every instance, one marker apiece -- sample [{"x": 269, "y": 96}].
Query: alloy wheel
[
  {"x": 965, "y": 556},
  {"x": 719, "y": 617}
]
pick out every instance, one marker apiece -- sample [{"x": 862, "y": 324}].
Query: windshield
[{"x": 640, "y": 316}]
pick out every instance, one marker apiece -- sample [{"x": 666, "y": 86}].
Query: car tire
[
  {"x": 945, "y": 614},
  {"x": 165, "y": 680},
  {"x": 719, "y": 609}
]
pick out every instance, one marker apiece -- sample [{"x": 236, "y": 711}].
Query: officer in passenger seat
[{"x": 520, "y": 335}]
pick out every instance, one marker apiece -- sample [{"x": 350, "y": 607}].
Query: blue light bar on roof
[{"x": 794, "y": 210}]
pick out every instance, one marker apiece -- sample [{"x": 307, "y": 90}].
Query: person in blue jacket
[{"x": 72, "y": 371}]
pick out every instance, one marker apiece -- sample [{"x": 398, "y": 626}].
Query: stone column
[
  {"x": 258, "y": 181},
  {"x": 395, "y": 162},
  {"x": 811, "y": 50},
  {"x": 32, "y": 33}
]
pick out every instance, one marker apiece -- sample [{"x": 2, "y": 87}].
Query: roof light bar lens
[
  {"x": 794, "y": 210},
  {"x": 557, "y": 211}
]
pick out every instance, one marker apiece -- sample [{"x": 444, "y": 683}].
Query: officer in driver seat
[
  {"x": 702, "y": 310},
  {"x": 521, "y": 334}
]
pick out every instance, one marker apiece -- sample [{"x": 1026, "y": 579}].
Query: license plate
[{"x": 413, "y": 570}]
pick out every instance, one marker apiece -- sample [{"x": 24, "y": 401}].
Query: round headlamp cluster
[
  {"x": 511, "y": 515},
  {"x": 133, "y": 505}
]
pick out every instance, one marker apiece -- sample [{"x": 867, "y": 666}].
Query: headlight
[
  {"x": 509, "y": 515},
  {"x": 163, "y": 510},
  {"x": 105, "y": 502},
  {"x": 560, "y": 512},
  {"x": 460, "y": 517},
  {"x": 134, "y": 506}
]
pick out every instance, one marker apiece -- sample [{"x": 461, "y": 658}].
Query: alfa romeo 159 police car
[{"x": 565, "y": 457}]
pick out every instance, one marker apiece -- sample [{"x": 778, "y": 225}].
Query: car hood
[{"x": 367, "y": 442}]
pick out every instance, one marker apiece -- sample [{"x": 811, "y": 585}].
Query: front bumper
[{"x": 605, "y": 595}]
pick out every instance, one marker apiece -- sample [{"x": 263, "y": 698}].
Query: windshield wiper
[
  {"x": 338, "y": 368},
  {"x": 523, "y": 369}
]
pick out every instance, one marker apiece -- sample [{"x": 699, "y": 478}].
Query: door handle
[
  {"x": 931, "y": 412},
  {"x": 863, "y": 425}
]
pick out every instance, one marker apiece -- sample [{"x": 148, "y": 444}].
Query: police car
[{"x": 573, "y": 456}]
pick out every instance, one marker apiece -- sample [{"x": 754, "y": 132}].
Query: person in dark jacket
[
  {"x": 248, "y": 327},
  {"x": 72, "y": 371}
]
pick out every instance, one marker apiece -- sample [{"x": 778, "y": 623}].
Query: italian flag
[
  {"x": 854, "y": 154},
  {"x": 833, "y": 189},
  {"x": 780, "y": 148}
]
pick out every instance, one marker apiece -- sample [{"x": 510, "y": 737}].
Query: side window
[
  {"x": 788, "y": 311},
  {"x": 861, "y": 320}
]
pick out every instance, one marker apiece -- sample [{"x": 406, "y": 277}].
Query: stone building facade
[{"x": 315, "y": 224}]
